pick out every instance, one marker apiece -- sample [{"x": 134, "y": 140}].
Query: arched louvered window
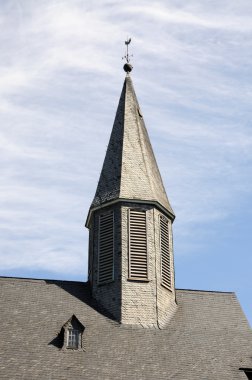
[
  {"x": 106, "y": 248},
  {"x": 165, "y": 252},
  {"x": 138, "y": 261}
]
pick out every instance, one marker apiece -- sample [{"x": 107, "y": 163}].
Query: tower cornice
[{"x": 158, "y": 205}]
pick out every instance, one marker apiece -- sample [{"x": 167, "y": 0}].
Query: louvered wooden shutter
[
  {"x": 106, "y": 248},
  {"x": 165, "y": 252},
  {"x": 138, "y": 265}
]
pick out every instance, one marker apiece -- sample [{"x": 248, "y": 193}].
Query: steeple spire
[
  {"x": 131, "y": 269},
  {"x": 130, "y": 170}
]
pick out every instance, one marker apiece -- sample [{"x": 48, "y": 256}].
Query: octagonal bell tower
[{"x": 131, "y": 267}]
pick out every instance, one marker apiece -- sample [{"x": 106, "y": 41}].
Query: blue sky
[{"x": 60, "y": 81}]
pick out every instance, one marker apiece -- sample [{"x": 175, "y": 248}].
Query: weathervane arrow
[{"x": 127, "y": 67}]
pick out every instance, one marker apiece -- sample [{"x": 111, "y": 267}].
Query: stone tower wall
[
  {"x": 166, "y": 302},
  {"x": 108, "y": 295},
  {"x": 148, "y": 304},
  {"x": 145, "y": 303}
]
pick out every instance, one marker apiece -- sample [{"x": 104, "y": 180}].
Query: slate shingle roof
[
  {"x": 208, "y": 338},
  {"x": 130, "y": 169}
]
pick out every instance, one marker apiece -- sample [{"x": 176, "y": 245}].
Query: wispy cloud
[
  {"x": 60, "y": 80},
  {"x": 224, "y": 16}
]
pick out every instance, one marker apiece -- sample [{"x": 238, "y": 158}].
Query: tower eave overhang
[{"x": 155, "y": 203}]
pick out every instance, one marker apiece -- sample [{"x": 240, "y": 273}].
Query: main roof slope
[
  {"x": 208, "y": 337},
  {"x": 130, "y": 169}
]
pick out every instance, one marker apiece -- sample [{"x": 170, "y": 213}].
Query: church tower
[{"x": 131, "y": 268}]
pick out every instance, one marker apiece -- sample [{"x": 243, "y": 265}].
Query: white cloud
[
  {"x": 60, "y": 80},
  {"x": 214, "y": 17}
]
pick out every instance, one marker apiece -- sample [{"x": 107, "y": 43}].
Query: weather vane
[{"x": 127, "y": 67}]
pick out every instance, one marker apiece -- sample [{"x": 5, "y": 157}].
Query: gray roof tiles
[{"x": 208, "y": 337}]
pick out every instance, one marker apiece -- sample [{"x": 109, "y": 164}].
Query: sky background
[{"x": 60, "y": 81}]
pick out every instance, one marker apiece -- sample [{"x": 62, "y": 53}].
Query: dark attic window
[
  {"x": 73, "y": 338},
  {"x": 73, "y": 334},
  {"x": 70, "y": 335}
]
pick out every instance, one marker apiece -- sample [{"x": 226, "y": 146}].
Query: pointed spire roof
[{"x": 130, "y": 170}]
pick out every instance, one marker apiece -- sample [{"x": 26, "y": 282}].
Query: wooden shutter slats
[
  {"x": 138, "y": 257},
  {"x": 106, "y": 245},
  {"x": 138, "y": 265},
  {"x": 165, "y": 252},
  {"x": 105, "y": 231},
  {"x": 106, "y": 248}
]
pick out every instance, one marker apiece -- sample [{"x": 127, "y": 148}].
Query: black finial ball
[{"x": 127, "y": 67}]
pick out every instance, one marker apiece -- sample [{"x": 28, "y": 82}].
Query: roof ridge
[
  {"x": 85, "y": 283},
  {"x": 40, "y": 279},
  {"x": 206, "y": 291}
]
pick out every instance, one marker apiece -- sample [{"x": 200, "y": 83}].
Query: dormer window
[
  {"x": 73, "y": 333},
  {"x": 73, "y": 338},
  {"x": 70, "y": 335}
]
